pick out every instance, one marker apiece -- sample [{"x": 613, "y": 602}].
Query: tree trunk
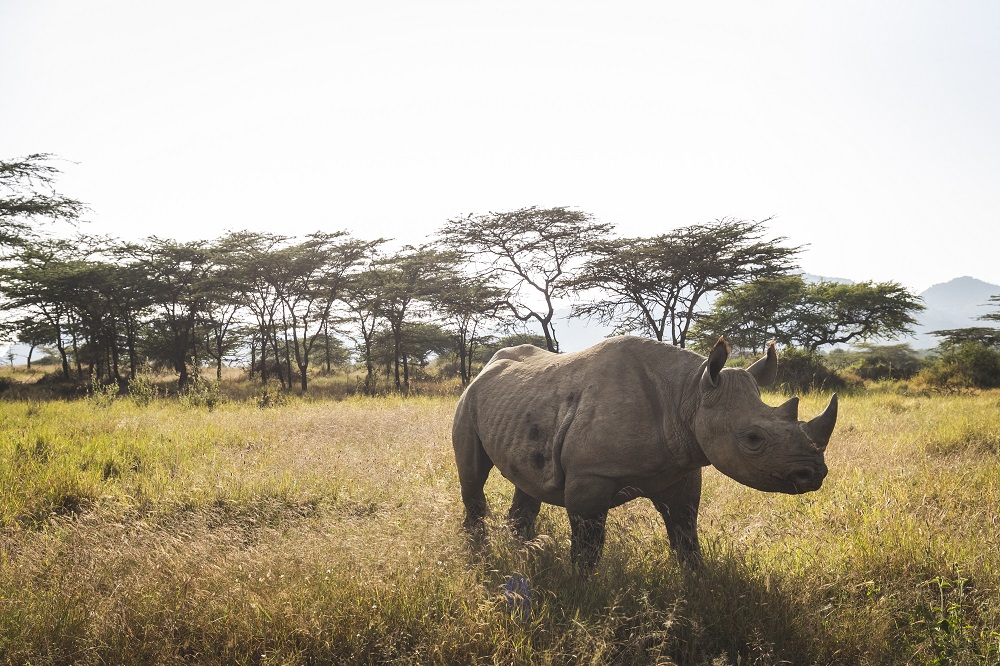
[
  {"x": 397, "y": 343},
  {"x": 326, "y": 340},
  {"x": 62, "y": 354},
  {"x": 133, "y": 361},
  {"x": 76, "y": 357},
  {"x": 406, "y": 375},
  {"x": 273, "y": 339},
  {"x": 288, "y": 362},
  {"x": 462, "y": 371},
  {"x": 218, "y": 354},
  {"x": 116, "y": 373}
]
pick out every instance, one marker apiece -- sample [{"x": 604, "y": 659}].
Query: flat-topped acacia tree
[
  {"x": 532, "y": 252},
  {"x": 27, "y": 193},
  {"x": 656, "y": 286}
]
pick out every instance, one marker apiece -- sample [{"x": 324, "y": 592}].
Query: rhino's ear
[
  {"x": 766, "y": 369},
  {"x": 716, "y": 361}
]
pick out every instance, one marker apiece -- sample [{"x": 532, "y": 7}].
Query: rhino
[{"x": 627, "y": 418}]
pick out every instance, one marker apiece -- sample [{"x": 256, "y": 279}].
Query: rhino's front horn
[{"x": 820, "y": 428}]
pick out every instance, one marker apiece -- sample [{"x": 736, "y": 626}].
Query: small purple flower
[{"x": 517, "y": 594}]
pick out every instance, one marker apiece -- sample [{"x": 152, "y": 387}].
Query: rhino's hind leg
[
  {"x": 678, "y": 505},
  {"x": 588, "y": 541},
  {"x": 523, "y": 510},
  {"x": 474, "y": 467}
]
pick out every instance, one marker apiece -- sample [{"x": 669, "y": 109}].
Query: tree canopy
[
  {"x": 531, "y": 253},
  {"x": 27, "y": 193},
  {"x": 655, "y": 286},
  {"x": 810, "y": 315}
]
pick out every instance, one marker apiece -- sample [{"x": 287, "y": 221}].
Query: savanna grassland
[{"x": 255, "y": 530}]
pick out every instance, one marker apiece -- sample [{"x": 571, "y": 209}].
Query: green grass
[{"x": 328, "y": 531}]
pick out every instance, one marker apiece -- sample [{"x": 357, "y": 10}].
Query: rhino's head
[{"x": 763, "y": 447}]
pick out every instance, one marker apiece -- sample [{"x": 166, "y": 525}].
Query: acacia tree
[
  {"x": 32, "y": 332},
  {"x": 813, "y": 315},
  {"x": 363, "y": 298},
  {"x": 254, "y": 262},
  {"x": 221, "y": 306},
  {"x": 406, "y": 282},
  {"x": 315, "y": 276},
  {"x": 179, "y": 274},
  {"x": 656, "y": 285},
  {"x": 992, "y": 316},
  {"x": 980, "y": 335},
  {"x": 95, "y": 300},
  {"x": 751, "y": 315},
  {"x": 27, "y": 193},
  {"x": 466, "y": 305},
  {"x": 532, "y": 252},
  {"x": 37, "y": 284},
  {"x": 835, "y": 313}
]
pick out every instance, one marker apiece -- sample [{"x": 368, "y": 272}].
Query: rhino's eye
[{"x": 754, "y": 439}]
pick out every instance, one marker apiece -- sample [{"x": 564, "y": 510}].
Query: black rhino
[{"x": 630, "y": 417}]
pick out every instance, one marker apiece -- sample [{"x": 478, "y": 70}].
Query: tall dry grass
[{"x": 321, "y": 531}]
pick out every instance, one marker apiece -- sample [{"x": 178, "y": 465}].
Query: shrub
[
  {"x": 800, "y": 370},
  {"x": 141, "y": 389},
  {"x": 966, "y": 365},
  {"x": 201, "y": 393},
  {"x": 100, "y": 393},
  {"x": 877, "y": 362},
  {"x": 271, "y": 395}
]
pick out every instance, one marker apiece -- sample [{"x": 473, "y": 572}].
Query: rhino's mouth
[{"x": 801, "y": 480}]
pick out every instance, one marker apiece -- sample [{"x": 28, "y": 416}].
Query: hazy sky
[{"x": 868, "y": 129}]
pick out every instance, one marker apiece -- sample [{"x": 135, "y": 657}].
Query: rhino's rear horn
[
  {"x": 716, "y": 361},
  {"x": 820, "y": 428},
  {"x": 765, "y": 370},
  {"x": 788, "y": 410}
]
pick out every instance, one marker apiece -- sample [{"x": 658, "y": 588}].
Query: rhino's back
[{"x": 527, "y": 404}]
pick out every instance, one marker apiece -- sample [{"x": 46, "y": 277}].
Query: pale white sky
[{"x": 869, "y": 129}]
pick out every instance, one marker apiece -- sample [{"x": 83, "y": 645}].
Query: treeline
[
  {"x": 281, "y": 305},
  {"x": 284, "y": 306}
]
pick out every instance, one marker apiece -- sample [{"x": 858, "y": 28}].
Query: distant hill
[{"x": 953, "y": 304}]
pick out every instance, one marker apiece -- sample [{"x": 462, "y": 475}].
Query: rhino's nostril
[{"x": 802, "y": 478}]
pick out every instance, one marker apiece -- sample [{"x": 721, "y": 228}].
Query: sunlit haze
[{"x": 867, "y": 130}]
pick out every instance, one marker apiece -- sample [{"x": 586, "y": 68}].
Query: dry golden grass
[{"x": 323, "y": 531}]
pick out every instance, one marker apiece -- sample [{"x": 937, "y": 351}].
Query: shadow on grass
[{"x": 643, "y": 608}]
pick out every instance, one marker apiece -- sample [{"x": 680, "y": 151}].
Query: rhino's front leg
[
  {"x": 523, "y": 510},
  {"x": 678, "y": 505},
  {"x": 587, "y": 502},
  {"x": 588, "y": 541}
]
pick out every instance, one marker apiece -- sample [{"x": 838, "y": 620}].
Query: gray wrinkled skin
[{"x": 628, "y": 418}]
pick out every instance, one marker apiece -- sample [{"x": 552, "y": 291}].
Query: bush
[
  {"x": 272, "y": 395},
  {"x": 963, "y": 366},
  {"x": 800, "y": 371},
  {"x": 877, "y": 362},
  {"x": 201, "y": 393},
  {"x": 142, "y": 390}
]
